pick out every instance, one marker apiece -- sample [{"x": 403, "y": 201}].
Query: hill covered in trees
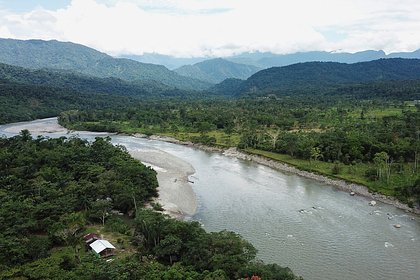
[
  {"x": 20, "y": 102},
  {"x": 87, "y": 84},
  {"x": 325, "y": 76},
  {"x": 216, "y": 70},
  {"x": 26, "y": 94},
  {"x": 39, "y": 54},
  {"x": 78, "y": 82}
]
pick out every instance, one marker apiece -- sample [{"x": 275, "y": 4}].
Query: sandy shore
[
  {"x": 175, "y": 193},
  {"x": 340, "y": 184},
  {"x": 43, "y": 126}
]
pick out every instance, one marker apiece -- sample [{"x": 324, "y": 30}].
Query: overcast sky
[{"x": 217, "y": 27}]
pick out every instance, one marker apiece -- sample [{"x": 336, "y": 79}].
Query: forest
[{"x": 54, "y": 191}]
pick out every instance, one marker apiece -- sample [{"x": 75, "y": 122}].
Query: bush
[
  {"x": 336, "y": 169},
  {"x": 157, "y": 206},
  {"x": 204, "y": 139},
  {"x": 116, "y": 224},
  {"x": 38, "y": 247},
  {"x": 371, "y": 174}
]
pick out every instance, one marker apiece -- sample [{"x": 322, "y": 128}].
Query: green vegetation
[
  {"x": 19, "y": 102},
  {"x": 53, "y": 191},
  {"x": 29, "y": 94},
  {"x": 372, "y": 142},
  {"x": 50, "y": 186},
  {"x": 87, "y": 84}
]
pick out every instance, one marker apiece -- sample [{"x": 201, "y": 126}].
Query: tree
[
  {"x": 169, "y": 247},
  {"x": 383, "y": 165},
  {"x": 100, "y": 209},
  {"x": 70, "y": 229},
  {"x": 274, "y": 135},
  {"x": 315, "y": 153}
]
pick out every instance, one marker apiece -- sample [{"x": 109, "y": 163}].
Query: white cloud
[{"x": 219, "y": 28}]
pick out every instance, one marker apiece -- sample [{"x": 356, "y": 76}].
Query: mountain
[
  {"x": 217, "y": 70},
  {"x": 266, "y": 60},
  {"x": 312, "y": 76},
  {"x": 39, "y": 54},
  {"x": 171, "y": 62},
  {"x": 415, "y": 54},
  {"x": 27, "y": 94}
]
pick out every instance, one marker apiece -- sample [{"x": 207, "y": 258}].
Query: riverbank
[
  {"x": 339, "y": 184},
  {"x": 176, "y": 195}
]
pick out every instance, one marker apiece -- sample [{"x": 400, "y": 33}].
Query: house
[
  {"x": 90, "y": 238},
  {"x": 103, "y": 248}
]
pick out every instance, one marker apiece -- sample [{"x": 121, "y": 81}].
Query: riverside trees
[
  {"x": 51, "y": 190},
  {"x": 48, "y": 186},
  {"x": 329, "y": 129}
]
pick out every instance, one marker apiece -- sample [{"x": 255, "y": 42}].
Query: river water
[{"x": 316, "y": 230}]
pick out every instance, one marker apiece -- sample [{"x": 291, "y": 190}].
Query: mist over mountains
[{"x": 268, "y": 59}]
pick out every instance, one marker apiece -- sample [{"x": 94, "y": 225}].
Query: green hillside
[
  {"x": 38, "y": 54},
  {"x": 29, "y": 94},
  {"x": 322, "y": 74},
  {"x": 216, "y": 70}
]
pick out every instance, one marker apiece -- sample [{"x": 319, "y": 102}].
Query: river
[{"x": 316, "y": 230}]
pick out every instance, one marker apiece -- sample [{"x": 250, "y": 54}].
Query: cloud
[
  {"x": 221, "y": 28},
  {"x": 180, "y": 7}
]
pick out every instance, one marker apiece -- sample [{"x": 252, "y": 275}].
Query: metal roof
[{"x": 100, "y": 245}]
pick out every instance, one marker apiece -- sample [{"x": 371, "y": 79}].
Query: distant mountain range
[
  {"x": 38, "y": 54},
  {"x": 168, "y": 61},
  {"x": 216, "y": 70},
  {"x": 266, "y": 59},
  {"x": 315, "y": 75},
  {"x": 82, "y": 69}
]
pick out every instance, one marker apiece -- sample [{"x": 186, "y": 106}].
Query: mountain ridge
[
  {"x": 53, "y": 54},
  {"x": 268, "y": 59},
  {"x": 85, "y": 84},
  {"x": 216, "y": 70},
  {"x": 310, "y": 75}
]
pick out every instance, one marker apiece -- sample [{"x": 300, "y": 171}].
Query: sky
[{"x": 194, "y": 28}]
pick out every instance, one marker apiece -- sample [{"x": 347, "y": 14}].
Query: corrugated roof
[{"x": 100, "y": 245}]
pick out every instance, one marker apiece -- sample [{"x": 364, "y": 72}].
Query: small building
[
  {"x": 90, "y": 238},
  {"x": 103, "y": 248}
]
